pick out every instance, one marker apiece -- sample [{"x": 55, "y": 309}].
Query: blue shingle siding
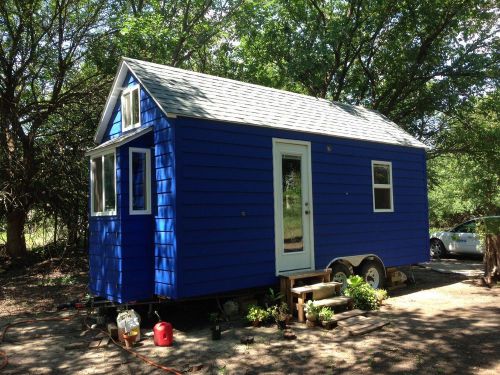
[
  {"x": 164, "y": 237},
  {"x": 225, "y": 210}
]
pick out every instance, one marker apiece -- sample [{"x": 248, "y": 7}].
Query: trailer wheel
[
  {"x": 340, "y": 273},
  {"x": 373, "y": 273}
]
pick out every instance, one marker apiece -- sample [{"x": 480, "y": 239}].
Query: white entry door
[{"x": 293, "y": 206}]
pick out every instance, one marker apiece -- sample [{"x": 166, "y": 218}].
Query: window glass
[
  {"x": 469, "y": 227},
  {"x": 381, "y": 174},
  {"x": 292, "y": 204},
  {"x": 109, "y": 182},
  {"x": 382, "y": 186},
  {"x": 97, "y": 184},
  {"x": 126, "y": 110},
  {"x": 382, "y": 199},
  {"x": 135, "y": 106},
  {"x": 103, "y": 184},
  {"x": 139, "y": 188}
]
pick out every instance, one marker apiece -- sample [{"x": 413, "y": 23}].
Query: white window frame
[
  {"x": 384, "y": 186},
  {"x": 147, "y": 152},
  {"x": 92, "y": 211},
  {"x": 129, "y": 91}
]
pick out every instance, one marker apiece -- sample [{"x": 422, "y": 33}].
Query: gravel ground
[{"x": 444, "y": 324}]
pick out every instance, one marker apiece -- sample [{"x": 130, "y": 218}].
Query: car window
[{"x": 468, "y": 227}]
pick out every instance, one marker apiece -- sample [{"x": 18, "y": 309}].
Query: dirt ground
[{"x": 444, "y": 324}]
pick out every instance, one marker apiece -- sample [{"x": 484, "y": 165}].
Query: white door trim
[{"x": 278, "y": 215}]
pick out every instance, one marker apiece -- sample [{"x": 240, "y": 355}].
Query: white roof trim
[{"x": 119, "y": 141}]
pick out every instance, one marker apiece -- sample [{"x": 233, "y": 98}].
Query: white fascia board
[{"x": 119, "y": 142}]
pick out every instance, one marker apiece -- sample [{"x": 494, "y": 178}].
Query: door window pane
[
  {"x": 292, "y": 204},
  {"x": 109, "y": 182}
]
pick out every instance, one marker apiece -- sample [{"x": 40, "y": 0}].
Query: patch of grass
[{"x": 61, "y": 280}]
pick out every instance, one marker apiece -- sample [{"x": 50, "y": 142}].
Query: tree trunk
[
  {"x": 16, "y": 243},
  {"x": 492, "y": 259}
]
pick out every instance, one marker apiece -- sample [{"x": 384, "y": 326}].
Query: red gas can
[{"x": 163, "y": 334}]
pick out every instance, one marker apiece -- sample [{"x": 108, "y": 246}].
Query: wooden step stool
[{"x": 324, "y": 294}]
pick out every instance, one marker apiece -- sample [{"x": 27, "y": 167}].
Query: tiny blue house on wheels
[{"x": 203, "y": 185}]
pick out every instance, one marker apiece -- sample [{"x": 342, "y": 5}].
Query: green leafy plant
[
  {"x": 312, "y": 309},
  {"x": 363, "y": 295},
  {"x": 257, "y": 315},
  {"x": 381, "y": 295},
  {"x": 279, "y": 312},
  {"x": 325, "y": 314}
]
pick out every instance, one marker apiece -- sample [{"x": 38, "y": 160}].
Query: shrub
[
  {"x": 363, "y": 295},
  {"x": 257, "y": 314},
  {"x": 325, "y": 314}
]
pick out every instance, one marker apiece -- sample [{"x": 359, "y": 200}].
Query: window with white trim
[
  {"x": 103, "y": 184},
  {"x": 131, "y": 108},
  {"x": 139, "y": 181},
  {"x": 382, "y": 186}
]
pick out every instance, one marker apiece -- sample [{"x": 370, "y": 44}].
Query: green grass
[{"x": 53, "y": 281}]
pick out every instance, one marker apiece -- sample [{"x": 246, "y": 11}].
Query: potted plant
[
  {"x": 325, "y": 315},
  {"x": 215, "y": 328},
  {"x": 312, "y": 311},
  {"x": 280, "y": 315},
  {"x": 256, "y": 315},
  {"x": 129, "y": 338}
]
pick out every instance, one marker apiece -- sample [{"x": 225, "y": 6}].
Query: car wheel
[
  {"x": 340, "y": 273},
  {"x": 437, "y": 249},
  {"x": 373, "y": 273}
]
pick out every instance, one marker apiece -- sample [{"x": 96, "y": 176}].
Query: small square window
[
  {"x": 382, "y": 186},
  {"x": 131, "y": 108}
]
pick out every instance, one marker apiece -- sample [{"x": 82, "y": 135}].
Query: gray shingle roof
[{"x": 185, "y": 93}]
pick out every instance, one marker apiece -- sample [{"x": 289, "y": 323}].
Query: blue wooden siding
[
  {"x": 225, "y": 212},
  {"x": 165, "y": 242},
  {"x": 124, "y": 249}
]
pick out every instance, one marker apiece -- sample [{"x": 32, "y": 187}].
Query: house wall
[
  {"x": 133, "y": 256},
  {"x": 225, "y": 211}
]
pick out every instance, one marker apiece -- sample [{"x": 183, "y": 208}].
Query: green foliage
[
  {"x": 464, "y": 168},
  {"x": 279, "y": 312},
  {"x": 257, "y": 314},
  {"x": 311, "y": 308},
  {"x": 363, "y": 295},
  {"x": 57, "y": 281},
  {"x": 487, "y": 226},
  {"x": 325, "y": 314}
]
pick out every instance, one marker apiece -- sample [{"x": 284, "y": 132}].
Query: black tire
[
  {"x": 373, "y": 273},
  {"x": 437, "y": 249},
  {"x": 340, "y": 273}
]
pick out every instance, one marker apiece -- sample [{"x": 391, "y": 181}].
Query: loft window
[
  {"x": 103, "y": 184},
  {"x": 382, "y": 186},
  {"x": 131, "y": 108},
  {"x": 140, "y": 181}
]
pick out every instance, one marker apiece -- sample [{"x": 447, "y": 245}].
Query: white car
[{"x": 460, "y": 240}]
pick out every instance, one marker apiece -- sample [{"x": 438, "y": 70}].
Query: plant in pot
[
  {"x": 257, "y": 315},
  {"x": 325, "y": 316},
  {"x": 215, "y": 321},
  {"x": 312, "y": 312},
  {"x": 280, "y": 315}
]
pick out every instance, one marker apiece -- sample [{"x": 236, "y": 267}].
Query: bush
[
  {"x": 325, "y": 314},
  {"x": 257, "y": 314},
  {"x": 363, "y": 295}
]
